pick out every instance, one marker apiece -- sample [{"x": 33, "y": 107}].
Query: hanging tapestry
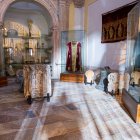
[
  {"x": 73, "y": 62},
  {"x": 114, "y": 24}
]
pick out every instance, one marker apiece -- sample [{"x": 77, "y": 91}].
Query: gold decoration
[{"x": 30, "y": 22}]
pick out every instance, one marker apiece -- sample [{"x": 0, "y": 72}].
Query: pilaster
[
  {"x": 56, "y": 52},
  {"x": 2, "y": 64},
  {"x": 64, "y": 14}
]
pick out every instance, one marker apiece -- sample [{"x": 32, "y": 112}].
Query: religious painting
[{"x": 114, "y": 24}]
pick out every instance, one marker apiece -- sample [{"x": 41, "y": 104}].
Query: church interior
[{"x": 69, "y": 70}]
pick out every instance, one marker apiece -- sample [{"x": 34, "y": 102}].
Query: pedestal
[
  {"x": 3, "y": 81},
  {"x": 72, "y": 77}
]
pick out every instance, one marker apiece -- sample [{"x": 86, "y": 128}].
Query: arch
[
  {"x": 50, "y": 6},
  {"x": 47, "y": 4}
]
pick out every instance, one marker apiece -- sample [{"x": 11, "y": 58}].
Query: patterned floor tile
[{"x": 75, "y": 112}]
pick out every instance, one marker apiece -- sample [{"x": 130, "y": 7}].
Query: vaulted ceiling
[{"x": 30, "y": 7}]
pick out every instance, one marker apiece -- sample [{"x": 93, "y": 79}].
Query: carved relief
[
  {"x": 33, "y": 81},
  {"x": 37, "y": 80},
  {"x": 26, "y": 74}
]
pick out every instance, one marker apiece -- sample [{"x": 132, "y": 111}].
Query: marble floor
[{"x": 75, "y": 112}]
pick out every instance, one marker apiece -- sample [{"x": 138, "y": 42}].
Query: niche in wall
[{"x": 33, "y": 43}]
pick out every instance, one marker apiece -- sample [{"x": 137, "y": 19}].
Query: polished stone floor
[{"x": 75, "y": 112}]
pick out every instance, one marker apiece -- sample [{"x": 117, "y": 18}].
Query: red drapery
[{"x": 69, "y": 64}]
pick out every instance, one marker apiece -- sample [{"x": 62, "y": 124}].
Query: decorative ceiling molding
[
  {"x": 69, "y": 1},
  {"x": 79, "y": 3}
]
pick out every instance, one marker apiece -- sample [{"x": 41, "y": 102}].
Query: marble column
[
  {"x": 56, "y": 68},
  {"x": 67, "y": 13},
  {"x": 64, "y": 14},
  {"x": 2, "y": 64}
]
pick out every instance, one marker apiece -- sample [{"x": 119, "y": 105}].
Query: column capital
[
  {"x": 68, "y": 2},
  {"x": 79, "y": 3},
  {"x": 62, "y": 2}
]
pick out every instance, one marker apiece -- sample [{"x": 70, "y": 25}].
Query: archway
[{"x": 49, "y": 5}]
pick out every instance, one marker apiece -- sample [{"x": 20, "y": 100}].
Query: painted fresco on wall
[{"x": 114, "y": 24}]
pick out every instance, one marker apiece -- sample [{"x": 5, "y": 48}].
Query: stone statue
[{"x": 113, "y": 83}]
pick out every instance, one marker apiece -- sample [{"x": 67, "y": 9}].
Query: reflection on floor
[{"x": 76, "y": 112}]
